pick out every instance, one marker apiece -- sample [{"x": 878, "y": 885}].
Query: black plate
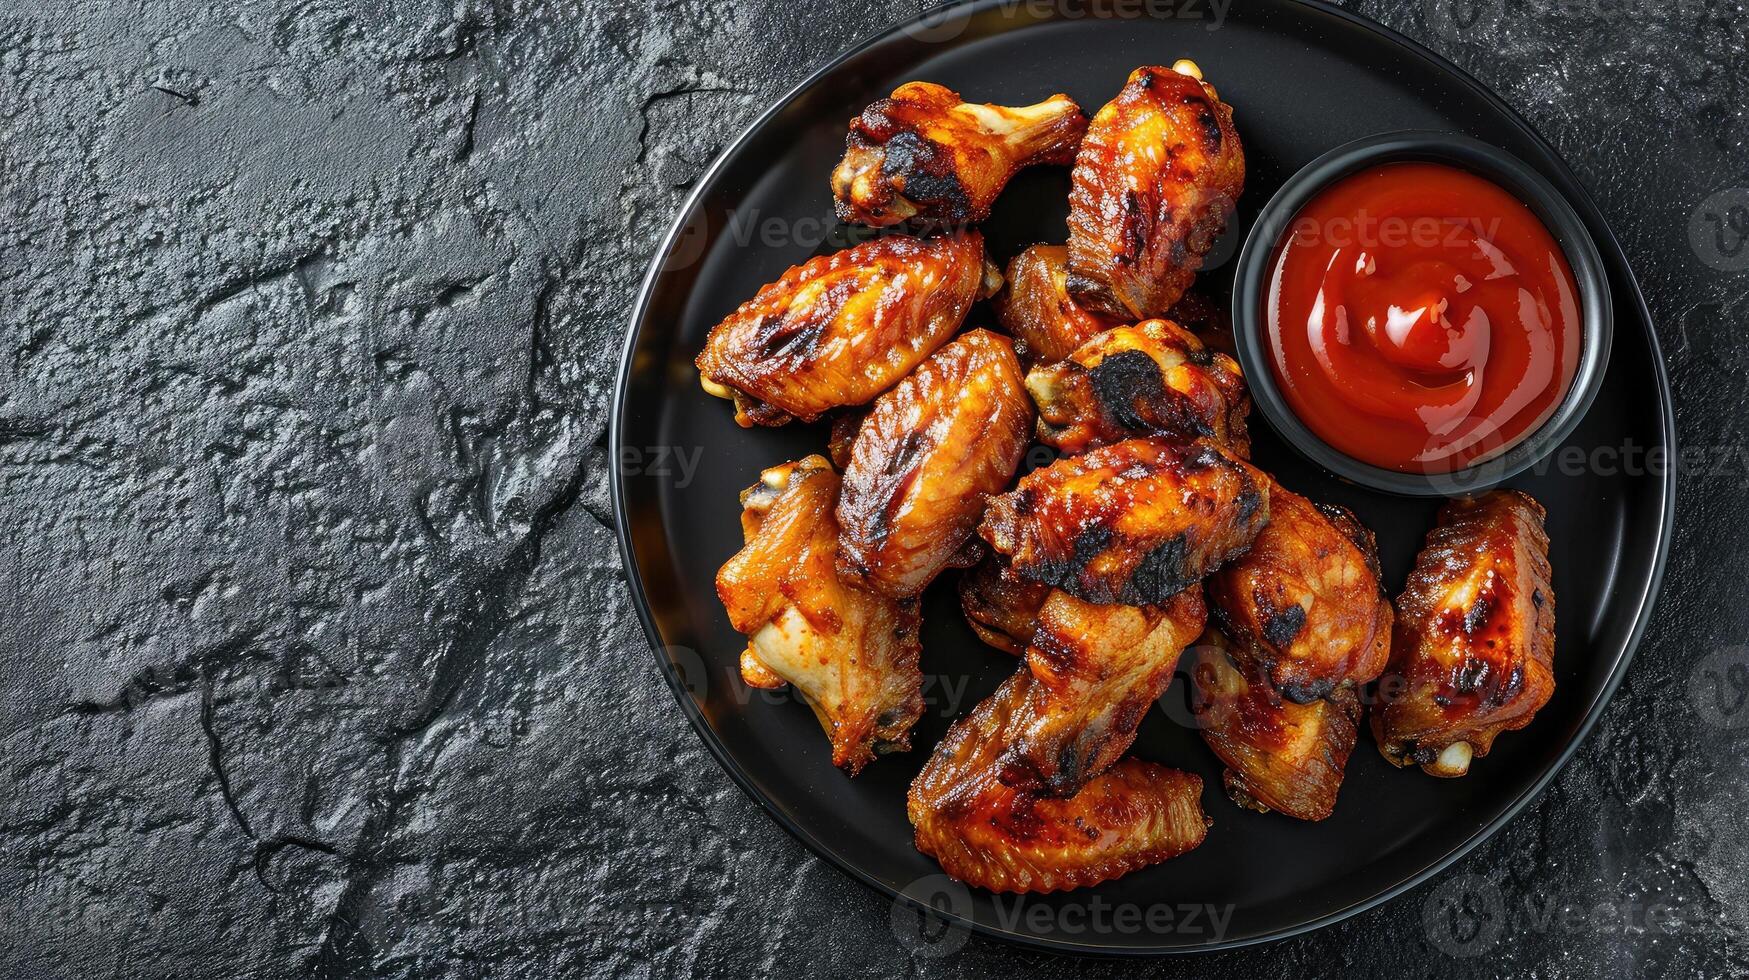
[{"x": 1303, "y": 78}]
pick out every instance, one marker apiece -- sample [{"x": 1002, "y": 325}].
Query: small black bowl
[{"x": 1557, "y": 215}]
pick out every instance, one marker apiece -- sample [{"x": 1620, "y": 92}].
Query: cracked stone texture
[{"x": 318, "y": 656}]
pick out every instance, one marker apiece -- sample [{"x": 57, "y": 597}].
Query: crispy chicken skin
[
  {"x": 1028, "y": 793},
  {"x": 1007, "y": 838},
  {"x": 924, "y": 461},
  {"x": 1474, "y": 649},
  {"x": 1034, "y": 306},
  {"x": 840, "y": 329},
  {"x": 1001, "y": 607},
  {"x": 852, "y": 654},
  {"x": 926, "y": 154},
  {"x": 1279, "y": 755},
  {"x": 1097, "y": 669},
  {"x": 1308, "y": 597},
  {"x": 1155, "y": 378},
  {"x": 1156, "y": 176},
  {"x": 1134, "y": 522}
]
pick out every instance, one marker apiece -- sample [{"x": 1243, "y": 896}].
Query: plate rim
[{"x": 1607, "y": 241}]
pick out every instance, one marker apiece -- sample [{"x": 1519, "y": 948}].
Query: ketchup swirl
[{"x": 1420, "y": 318}]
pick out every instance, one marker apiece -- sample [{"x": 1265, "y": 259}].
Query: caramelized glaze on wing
[
  {"x": 1027, "y": 793},
  {"x": 1035, "y": 307},
  {"x": 1134, "y": 522},
  {"x": 998, "y": 836},
  {"x": 1096, "y": 669},
  {"x": 1308, "y": 597},
  {"x": 1001, "y": 607},
  {"x": 1155, "y": 378},
  {"x": 927, "y": 154},
  {"x": 840, "y": 329},
  {"x": 1475, "y": 640},
  {"x": 852, "y": 654},
  {"x": 1158, "y": 171},
  {"x": 924, "y": 461},
  {"x": 1279, "y": 755}
]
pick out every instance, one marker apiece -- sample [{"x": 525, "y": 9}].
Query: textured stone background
[{"x": 316, "y": 656}]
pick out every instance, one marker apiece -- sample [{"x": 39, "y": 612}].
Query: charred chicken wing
[
  {"x": 1156, "y": 176},
  {"x": 1279, "y": 755},
  {"x": 1475, "y": 640},
  {"x": 1027, "y": 793},
  {"x": 840, "y": 329},
  {"x": 1307, "y": 596},
  {"x": 1155, "y": 378},
  {"x": 989, "y": 833},
  {"x": 1096, "y": 669},
  {"x": 852, "y": 654},
  {"x": 1134, "y": 522},
  {"x": 927, "y": 154},
  {"x": 924, "y": 461},
  {"x": 1001, "y": 607},
  {"x": 1035, "y": 307}
]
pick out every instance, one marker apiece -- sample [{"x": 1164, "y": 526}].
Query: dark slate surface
[{"x": 318, "y": 659}]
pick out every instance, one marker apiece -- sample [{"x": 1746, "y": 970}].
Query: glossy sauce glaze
[{"x": 1420, "y": 318}]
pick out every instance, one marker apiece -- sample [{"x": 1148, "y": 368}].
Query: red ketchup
[{"x": 1420, "y": 318}]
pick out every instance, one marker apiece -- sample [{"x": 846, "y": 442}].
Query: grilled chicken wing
[
  {"x": 1155, "y": 378},
  {"x": 1006, "y": 838},
  {"x": 1035, "y": 307},
  {"x": 1474, "y": 651},
  {"x": 1308, "y": 597},
  {"x": 1001, "y": 607},
  {"x": 1134, "y": 522},
  {"x": 1027, "y": 793},
  {"x": 1279, "y": 755},
  {"x": 852, "y": 654},
  {"x": 1097, "y": 669},
  {"x": 927, "y": 154},
  {"x": 924, "y": 461},
  {"x": 840, "y": 329},
  {"x": 1157, "y": 173}
]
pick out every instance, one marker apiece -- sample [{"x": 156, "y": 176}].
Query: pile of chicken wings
[{"x": 1150, "y": 534}]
